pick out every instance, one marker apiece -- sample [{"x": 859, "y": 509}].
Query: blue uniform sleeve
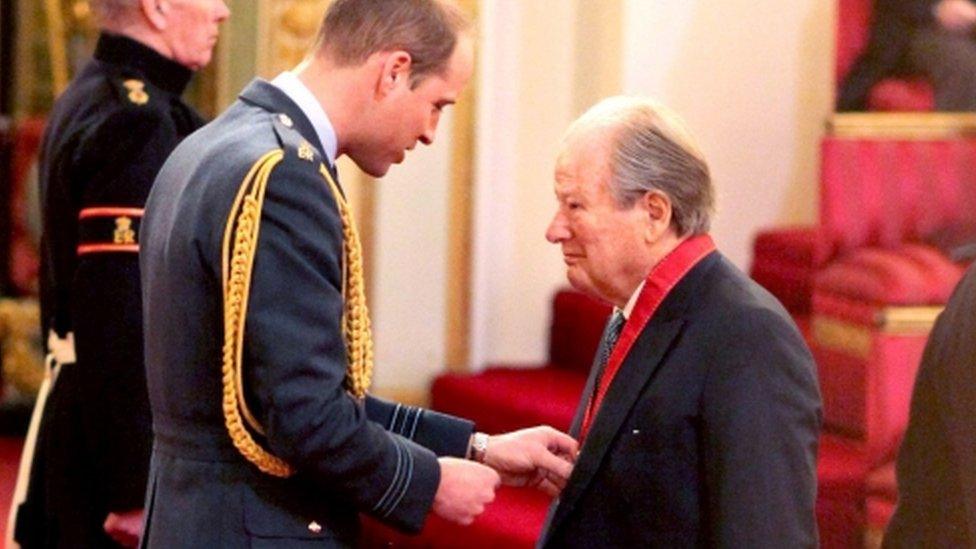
[{"x": 443, "y": 434}]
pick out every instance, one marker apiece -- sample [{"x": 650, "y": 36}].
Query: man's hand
[
  {"x": 539, "y": 457},
  {"x": 124, "y": 528},
  {"x": 956, "y": 15},
  {"x": 465, "y": 488}
]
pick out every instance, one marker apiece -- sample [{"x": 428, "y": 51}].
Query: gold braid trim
[
  {"x": 356, "y": 326},
  {"x": 237, "y": 263},
  {"x": 238, "y": 251}
]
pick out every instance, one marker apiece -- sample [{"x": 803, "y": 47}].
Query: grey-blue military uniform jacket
[{"x": 350, "y": 456}]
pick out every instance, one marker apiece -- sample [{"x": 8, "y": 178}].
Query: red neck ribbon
[{"x": 662, "y": 279}]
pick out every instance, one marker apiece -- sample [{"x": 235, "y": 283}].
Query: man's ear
[
  {"x": 657, "y": 207},
  {"x": 395, "y": 72},
  {"x": 156, "y": 13}
]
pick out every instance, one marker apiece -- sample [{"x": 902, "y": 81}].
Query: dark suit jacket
[
  {"x": 377, "y": 458},
  {"x": 937, "y": 461},
  {"x": 708, "y": 434},
  {"x": 892, "y": 27}
]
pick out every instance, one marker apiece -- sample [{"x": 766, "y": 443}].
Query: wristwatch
[{"x": 479, "y": 447}]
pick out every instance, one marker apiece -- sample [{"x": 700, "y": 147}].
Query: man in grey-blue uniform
[{"x": 258, "y": 344}]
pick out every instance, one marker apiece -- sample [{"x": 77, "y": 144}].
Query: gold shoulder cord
[
  {"x": 356, "y": 326},
  {"x": 238, "y": 251}
]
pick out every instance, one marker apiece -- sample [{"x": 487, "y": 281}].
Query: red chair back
[
  {"x": 577, "y": 324},
  {"x": 887, "y": 192}
]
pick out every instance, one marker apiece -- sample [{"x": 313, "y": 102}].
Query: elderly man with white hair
[
  {"x": 106, "y": 138},
  {"x": 699, "y": 424}
]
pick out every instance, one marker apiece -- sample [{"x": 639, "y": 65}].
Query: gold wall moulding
[
  {"x": 288, "y": 29},
  {"x": 902, "y": 125},
  {"x": 857, "y": 340}
]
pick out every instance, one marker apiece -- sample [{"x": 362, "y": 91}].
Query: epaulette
[
  {"x": 292, "y": 142},
  {"x": 295, "y": 145}
]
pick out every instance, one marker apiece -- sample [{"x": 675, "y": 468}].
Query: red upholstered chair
[
  {"x": 785, "y": 258},
  {"x": 878, "y": 270},
  {"x": 887, "y": 206},
  {"x": 891, "y": 94},
  {"x": 505, "y": 397}
]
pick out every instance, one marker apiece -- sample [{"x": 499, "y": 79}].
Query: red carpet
[{"x": 9, "y": 461}]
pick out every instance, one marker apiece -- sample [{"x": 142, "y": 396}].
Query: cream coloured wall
[
  {"x": 528, "y": 78},
  {"x": 753, "y": 80},
  {"x": 410, "y": 267}
]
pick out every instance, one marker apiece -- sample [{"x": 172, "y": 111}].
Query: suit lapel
[{"x": 638, "y": 368}]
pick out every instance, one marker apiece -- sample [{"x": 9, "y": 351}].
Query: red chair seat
[
  {"x": 514, "y": 520},
  {"x": 902, "y": 95},
  {"x": 502, "y": 399},
  {"x": 842, "y": 470},
  {"x": 913, "y": 274}
]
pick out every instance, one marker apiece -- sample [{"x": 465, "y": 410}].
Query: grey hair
[{"x": 651, "y": 150}]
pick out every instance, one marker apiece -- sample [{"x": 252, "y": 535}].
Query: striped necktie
[{"x": 610, "y": 336}]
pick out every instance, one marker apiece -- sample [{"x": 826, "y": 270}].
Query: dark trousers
[{"x": 64, "y": 506}]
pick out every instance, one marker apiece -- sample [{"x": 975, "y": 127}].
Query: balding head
[{"x": 109, "y": 11}]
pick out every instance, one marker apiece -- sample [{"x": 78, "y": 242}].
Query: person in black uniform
[
  {"x": 258, "y": 348},
  {"x": 937, "y": 460},
  {"x": 106, "y": 138},
  {"x": 929, "y": 37}
]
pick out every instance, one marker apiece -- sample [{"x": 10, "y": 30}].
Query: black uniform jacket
[
  {"x": 350, "y": 456},
  {"x": 892, "y": 27},
  {"x": 937, "y": 461},
  {"x": 105, "y": 140},
  {"x": 708, "y": 434}
]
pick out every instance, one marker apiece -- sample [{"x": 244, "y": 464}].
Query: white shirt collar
[
  {"x": 632, "y": 302},
  {"x": 298, "y": 92}
]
